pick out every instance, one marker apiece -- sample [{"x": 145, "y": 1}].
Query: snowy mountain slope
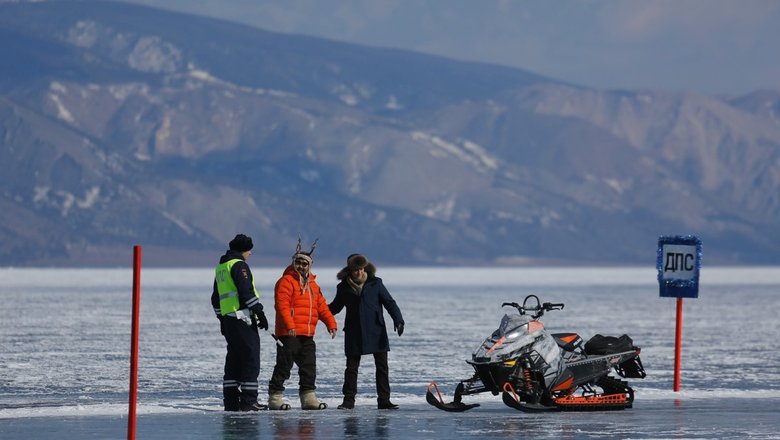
[{"x": 123, "y": 124}]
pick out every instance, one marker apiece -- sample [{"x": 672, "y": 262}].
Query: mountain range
[{"x": 122, "y": 124}]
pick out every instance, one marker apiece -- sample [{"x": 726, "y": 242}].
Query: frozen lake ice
[{"x": 64, "y": 366}]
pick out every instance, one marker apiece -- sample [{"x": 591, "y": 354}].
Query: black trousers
[
  {"x": 242, "y": 362},
  {"x": 382, "y": 377},
  {"x": 298, "y": 350}
]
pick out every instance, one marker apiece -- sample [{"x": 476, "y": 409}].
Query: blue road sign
[{"x": 678, "y": 264}]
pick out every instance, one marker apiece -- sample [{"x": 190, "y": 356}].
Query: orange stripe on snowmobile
[
  {"x": 569, "y": 338},
  {"x": 565, "y": 385},
  {"x": 497, "y": 344},
  {"x": 534, "y": 326}
]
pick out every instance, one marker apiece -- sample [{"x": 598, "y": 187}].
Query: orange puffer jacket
[{"x": 297, "y": 309}]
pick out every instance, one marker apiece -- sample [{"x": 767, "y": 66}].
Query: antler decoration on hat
[{"x": 299, "y": 248}]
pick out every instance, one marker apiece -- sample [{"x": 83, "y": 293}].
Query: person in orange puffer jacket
[{"x": 299, "y": 305}]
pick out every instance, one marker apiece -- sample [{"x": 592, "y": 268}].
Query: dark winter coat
[{"x": 364, "y": 326}]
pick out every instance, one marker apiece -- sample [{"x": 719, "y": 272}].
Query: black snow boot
[
  {"x": 231, "y": 397},
  {"x": 386, "y": 404},
  {"x": 253, "y": 406},
  {"x": 348, "y": 403},
  {"x": 231, "y": 404}
]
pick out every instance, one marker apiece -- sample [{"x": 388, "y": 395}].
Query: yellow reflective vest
[{"x": 228, "y": 292}]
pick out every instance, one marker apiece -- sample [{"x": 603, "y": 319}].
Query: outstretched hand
[
  {"x": 399, "y": 328},
  {"x": 332, "y": 333}
]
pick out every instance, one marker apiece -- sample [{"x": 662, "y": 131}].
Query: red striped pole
[
  {"x": 678, "y": 345},
  {"x": 131, "y": 416}
]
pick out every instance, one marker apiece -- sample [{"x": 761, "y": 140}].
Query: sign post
[
  {"x": 678, "y": 264},
  {"x": 131, "y": 415}
]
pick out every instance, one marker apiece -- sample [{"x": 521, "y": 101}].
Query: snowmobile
[{"x": 538, "y": 371}]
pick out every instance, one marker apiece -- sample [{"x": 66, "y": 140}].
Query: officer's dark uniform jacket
[
  {"x": 242, "y": 277},
  {"x": 239, "y": 326}
]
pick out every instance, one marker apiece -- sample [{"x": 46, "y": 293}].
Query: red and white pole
[
  {"x": 131, "y": 416},
  {"x": 678, "y": 345}
]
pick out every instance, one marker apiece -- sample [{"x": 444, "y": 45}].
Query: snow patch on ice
[
  {"x": 89, "y": 410},
  {"x": 185, "y": 406}
]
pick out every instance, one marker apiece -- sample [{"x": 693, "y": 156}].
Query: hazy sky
[{"x": 707, "y": 46}]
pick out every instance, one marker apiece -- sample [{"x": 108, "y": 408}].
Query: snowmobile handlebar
[
  {"x": 536, "y": 310},
  {"x": 551, "y": 306}
]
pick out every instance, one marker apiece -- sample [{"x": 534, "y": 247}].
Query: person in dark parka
[{"x": 364, "y": 295}]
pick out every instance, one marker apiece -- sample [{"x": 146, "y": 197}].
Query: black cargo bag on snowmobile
[{"x": 601, "y": 345}]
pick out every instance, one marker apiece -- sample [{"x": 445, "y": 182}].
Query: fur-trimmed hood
[{"x": 369, "y": 267}]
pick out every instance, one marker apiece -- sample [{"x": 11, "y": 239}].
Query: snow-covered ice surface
[{"x": 65, "y": 339}]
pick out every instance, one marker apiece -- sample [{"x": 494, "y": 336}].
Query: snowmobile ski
[
  {"x": 438, "y": 401},
  {"x": 512, "y": 400}
]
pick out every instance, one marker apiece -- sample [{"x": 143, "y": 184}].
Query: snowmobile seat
[
  {"x": 600, "y": 345},
  {"x": 567, "y": 341}
]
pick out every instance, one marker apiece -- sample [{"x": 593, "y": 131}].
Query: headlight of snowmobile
[{"x": 516, "y": 333}]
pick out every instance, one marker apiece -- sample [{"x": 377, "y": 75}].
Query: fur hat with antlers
[{"x": 301, "y": 255}]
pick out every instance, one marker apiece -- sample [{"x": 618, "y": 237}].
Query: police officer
[{"x": 236, "y": 303}]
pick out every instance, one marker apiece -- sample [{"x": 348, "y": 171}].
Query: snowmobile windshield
[
  {"x": 515, "y": 334},
  {"x": 512, "y": 326}
]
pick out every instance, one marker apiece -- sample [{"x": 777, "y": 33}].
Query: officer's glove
[
  {"x": 221, "y": 324},
  {"x": 262, "y": 322}
]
